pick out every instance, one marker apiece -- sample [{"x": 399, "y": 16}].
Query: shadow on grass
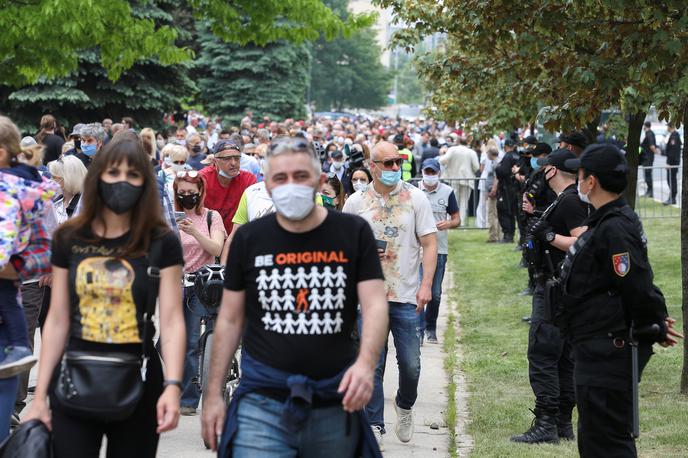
[{"x": 487, "y": 280}]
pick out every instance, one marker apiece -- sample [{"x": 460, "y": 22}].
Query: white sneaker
[
  {"x": 377, "y": 432},
  {"x": 404, "y": 425}
]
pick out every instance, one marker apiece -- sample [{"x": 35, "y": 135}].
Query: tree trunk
[
  {"x": 684, "y": 255},
  {"x": 590, "y": 130},
  {"x": 635, "y": 127}
]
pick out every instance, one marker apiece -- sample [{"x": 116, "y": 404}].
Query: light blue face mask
[
  {"x": 224, "y": 175},
  {"x": 88, "y": 150},
  {"x": 390, "y": 178},
  {"x": 533, "y": 163}
]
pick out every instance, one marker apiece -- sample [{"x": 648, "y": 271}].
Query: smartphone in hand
[
  {"x": 381, "y": 245},
  {"x": 178, "y": 216}
]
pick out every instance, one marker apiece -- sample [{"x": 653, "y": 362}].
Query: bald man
[{"x": 402, "y": 220}]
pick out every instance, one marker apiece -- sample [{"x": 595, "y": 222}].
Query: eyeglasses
[
  {"x": 187, "y": 174},
  {"x": 228, "y": 158},
  {"x": 179, "y": 162},
  {"x": 391, "y": 162}
]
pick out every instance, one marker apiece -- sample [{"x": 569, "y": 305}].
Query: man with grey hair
[
  {"x": 303, "y": 385},
  {"x": 92, "y": 137},
  {"x": 262, "y": 136},
  {"x": 403, "y": 223}
]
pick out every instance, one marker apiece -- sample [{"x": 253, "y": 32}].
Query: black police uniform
[
  {"x": 647, "y": 159},
  {"x": 550, "y": 360},
  {"x": 507, "y": 195},
  {"x": 673, "y": 157},
  {"x": 607, "y": 284}
]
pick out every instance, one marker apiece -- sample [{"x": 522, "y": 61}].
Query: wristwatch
[{"x": 550, "y": 237}]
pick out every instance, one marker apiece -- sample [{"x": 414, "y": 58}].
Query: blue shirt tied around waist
[{"x": 256, "y": 375}]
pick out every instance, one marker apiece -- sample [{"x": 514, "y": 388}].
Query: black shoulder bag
[{"x": 107, "y": 386}]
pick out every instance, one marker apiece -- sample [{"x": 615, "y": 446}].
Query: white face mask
[
  {"x": 178, "y": 167},
  {"x": 337, "y": 165},
  {"x": 360, "y": 185},
  {"x": 293, "y": 201},
  {"x": 431, "y": 180},
  {"x": 583, "y": 197}
]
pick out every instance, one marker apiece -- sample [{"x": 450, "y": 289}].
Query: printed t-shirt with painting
[
  {"x": 225, "y": 199},
  {"x": 301, "y": 291},
  {"x": 195, "y": 256},
  {"x": 108, "y": 293},
  {"x": 400, "y": 222},
  {"x": 255, "y": 202}
]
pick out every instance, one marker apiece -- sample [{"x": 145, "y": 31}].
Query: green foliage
[
  {"x": 145, "y": 91},
  {"x": 409, "y": 87},
  {"x": 270, "y": 80},
  {"x": 44, "y": 38},
  {"x": 347, "y": 73}
]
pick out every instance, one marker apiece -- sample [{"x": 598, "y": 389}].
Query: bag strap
[
  {"x": 153, "y": 273},
  {"x": 72, "y": 204}
]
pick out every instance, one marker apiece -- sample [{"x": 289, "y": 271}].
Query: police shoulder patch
[{"x": 621, "y": 263}]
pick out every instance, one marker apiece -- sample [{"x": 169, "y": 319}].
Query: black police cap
[
  {"x": 540, "y": 149},
  {"x": 509, "y": 142},
  {"x": 530, "y": 140},
  {"x": 558, "y": 159},
  {"x": 600, "y": 158},
  {"x": 575, "y": 139}
]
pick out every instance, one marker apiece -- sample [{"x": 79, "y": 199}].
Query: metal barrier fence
[
  {"x": 661, "y": 202},
  {"x": 468, "y": 194},
  {"x": 473, "y": 210}
]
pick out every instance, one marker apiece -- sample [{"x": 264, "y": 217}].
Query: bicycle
[{"x": 208, "y": 283}]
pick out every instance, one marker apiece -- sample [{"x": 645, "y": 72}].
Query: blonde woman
[
  {"x": 69, "y": 173},
  {"x": 147, "y": 136},
  {"x": 175, "y": 158}
]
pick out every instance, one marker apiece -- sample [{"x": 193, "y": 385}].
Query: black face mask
[
  {"x": 120, "y": 197},
  {"x": 188, "y": 201},
  {"x": 552, "y": 175},
  {"x": 196, "y": 149}
]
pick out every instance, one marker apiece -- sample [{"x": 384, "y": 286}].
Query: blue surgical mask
[
  {"x": 390, "y": 178},
  {"x": 88, "y": 150},
  {"x": 225, "y": 175},
  {"x": 533, "y": 163}
]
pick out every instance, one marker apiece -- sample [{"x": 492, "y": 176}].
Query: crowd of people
[{"x": 334, "y": 233}]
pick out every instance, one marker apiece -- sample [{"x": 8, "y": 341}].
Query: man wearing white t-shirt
[{"x": 402, "y": 220}]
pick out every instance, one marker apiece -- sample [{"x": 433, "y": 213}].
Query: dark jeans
[
  {"x": 260, "y": 434},
  {"x": 550, "y": 363},
  {"x": 134, "y": 437},
  {"x": 32, "y": 299},
  {"x": 12, "y": 314},
  {"x": 193, "y": 312},
  {"x": 506, "y": 212},
  {"x": 403, "y": 322},
  {"x": 428, "y": 317},
  {"x": 647, "y": 160},
  {"x": 673, "y": 182},
  {"x": 604, "y": 422}
]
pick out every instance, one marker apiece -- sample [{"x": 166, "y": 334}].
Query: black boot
[
  {"x": 543, "y": 430},
  {"x": 565, "y": 428}
]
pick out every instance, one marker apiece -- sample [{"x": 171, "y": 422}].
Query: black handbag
[
  {"x": 29, "y": 439},
  {"x": 107, "y": 386}
]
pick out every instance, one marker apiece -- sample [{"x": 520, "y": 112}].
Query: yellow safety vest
[{"x": 406, "y": 167}]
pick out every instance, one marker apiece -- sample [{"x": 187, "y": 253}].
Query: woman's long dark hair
[{"x": 146, "y": 216}]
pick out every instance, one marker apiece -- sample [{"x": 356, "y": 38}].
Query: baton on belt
[{"x": 633, "y": 335}]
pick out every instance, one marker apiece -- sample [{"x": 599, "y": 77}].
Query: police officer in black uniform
[
  {"x": 507, "y": 191},
  {"x": 550, "y": 362},
  {"x": 607, "y": 289}
]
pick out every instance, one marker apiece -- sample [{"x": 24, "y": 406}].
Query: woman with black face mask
[
  {"x": 202, "y": 233},
  {"x": 111, "y": 264}
]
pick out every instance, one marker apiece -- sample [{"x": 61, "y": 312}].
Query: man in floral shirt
[{"x": 402, "y": 220}]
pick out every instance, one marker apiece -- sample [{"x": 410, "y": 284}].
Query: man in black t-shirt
[
  {"x": 550, "y": 361},
  {"x": 292, "y": 286}
]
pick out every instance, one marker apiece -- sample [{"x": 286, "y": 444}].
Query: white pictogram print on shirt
[{"x": 302, "y": 302}]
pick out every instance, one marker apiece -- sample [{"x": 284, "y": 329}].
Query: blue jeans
[
  {"x": 259, "y": 433},
  {"x": 403, "y": 322},
  {"x": 193, "y": 312},
  {"x": 12, "y": 314},
  {"x": 428, "y": 317}
]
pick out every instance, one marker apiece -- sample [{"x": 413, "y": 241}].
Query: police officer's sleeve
[{"x": 631, "y": 274}]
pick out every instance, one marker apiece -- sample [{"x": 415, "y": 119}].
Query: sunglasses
[
  {"x": 179, "y": 162},
  {"x": 187, "y": 174},
  {"x": 391, "y": 162}
]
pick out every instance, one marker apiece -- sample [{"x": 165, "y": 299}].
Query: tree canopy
[{"x": 44, "y": 38}]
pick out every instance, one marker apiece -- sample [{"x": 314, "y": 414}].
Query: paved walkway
[{"x": 431, "y": 438}]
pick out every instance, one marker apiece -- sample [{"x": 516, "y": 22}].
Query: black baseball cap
[
  {"x": 336, "y": 154},
  {"x": 540, "y": 149},
  {"x": 575, "y": 139},
  {"x": 530, "y": 140},
  {"x": 509, "y": 142},
  {"x": 600, "y": 158},
  {"x": 558, "y": 159},
  {"x": 398, "y": 139}
]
